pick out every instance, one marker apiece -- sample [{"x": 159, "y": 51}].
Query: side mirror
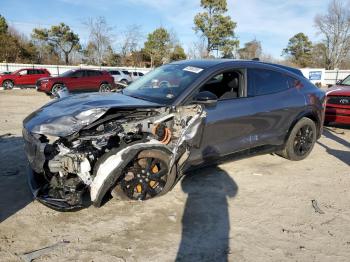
[
  {"x": 206, "y": 98},
  {"x": 339, "y": 82}
]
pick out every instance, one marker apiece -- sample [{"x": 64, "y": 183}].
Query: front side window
[
  {"x": 164, "y": 84},
  {"x": 23, "y": 72},
  {"x": 68, "y": 73},
  {"x": 264, "y": 82},
  {"x": 346, "y": 81},
  {"x": 226, "y": 85}
]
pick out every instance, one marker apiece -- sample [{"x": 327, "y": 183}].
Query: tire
[
  {"x": 55, "y": 88},
  {"x": 104, "y": 88},
  {"x": 136, "y": 181},
  {"x": 301, "y": 140},
  {"x": 8, "y": 84}
]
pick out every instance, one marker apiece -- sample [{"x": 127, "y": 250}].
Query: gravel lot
[{"x": 256, "y": 209}]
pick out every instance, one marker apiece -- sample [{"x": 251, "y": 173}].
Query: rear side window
[
  {"x": 79, "y": 73},
  {"x": 40, "y": 72},
  {"x": 264, "y": 82},
  {"x": 126, "y": 72},
  {"x": 141, "y": 74},
  {"x": 94, "y": 73}
]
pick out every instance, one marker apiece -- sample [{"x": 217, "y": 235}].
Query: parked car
[
  {"x": 79, "y": 80},
  {"x": 121, "y": 76},
  {"x": 136, "y": 144},
  {"x": 136, "y": 75},
  {"x": 5, "y": 72},
  {"x": 26, "y": 77},
  {"x": 338, "y": 103}
]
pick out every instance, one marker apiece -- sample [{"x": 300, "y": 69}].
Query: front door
[
  {"x": 23, "y": 77},
  {"x": 228, "y": 125}
]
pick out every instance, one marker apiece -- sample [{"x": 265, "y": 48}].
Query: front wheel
[
  {"x": 56, "y": 88},
  {"x": 8, "y": 84},
  {"x": 105, "y": 88},
  {"x": 146, "y": 176},
  {"x": 301, "y": 140}
]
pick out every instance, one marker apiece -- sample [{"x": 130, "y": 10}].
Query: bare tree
[
  {"x": 335, "y": 27},
  {"x": 131, "y": 38},
  {"x": 198, "y": 50},
  {"x": 100, "y": 37}
]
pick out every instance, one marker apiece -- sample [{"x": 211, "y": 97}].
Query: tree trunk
[{"x": 66, "y": 58}]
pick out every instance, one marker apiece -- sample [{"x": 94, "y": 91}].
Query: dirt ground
[{"x": 256, "y": 209}]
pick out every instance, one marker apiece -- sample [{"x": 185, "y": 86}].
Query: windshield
[
  {"x": 164, "y": 84},
  {"x": 346, "y": 81},
  {"x": 67, "y": 73}
]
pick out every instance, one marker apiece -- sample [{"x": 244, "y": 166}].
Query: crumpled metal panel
[{"x": 65, "y": 116}]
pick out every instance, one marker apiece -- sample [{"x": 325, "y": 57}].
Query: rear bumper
[{"x": 338, "y": 114}]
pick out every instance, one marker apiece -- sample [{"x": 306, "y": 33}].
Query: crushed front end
[{"x": 69, "y": 167}]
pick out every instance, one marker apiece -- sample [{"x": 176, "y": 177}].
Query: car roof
[
  {"x": 207, "y": 63},
  {"x": 31, "y": 68}
]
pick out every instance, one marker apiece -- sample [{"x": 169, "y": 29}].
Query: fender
[
  {"x": 309, "y": 113},
  {"x": 110, "y": 166}
]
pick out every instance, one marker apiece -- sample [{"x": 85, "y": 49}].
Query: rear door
[
  {"x": 275, "y": 103},
  {"x": 77, "y": 81},
  {"x": 40, "y": 73},
  {"x": 93, "y": 79}
]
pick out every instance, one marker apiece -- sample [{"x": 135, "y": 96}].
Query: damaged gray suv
[{"x": 138, "y": 143}]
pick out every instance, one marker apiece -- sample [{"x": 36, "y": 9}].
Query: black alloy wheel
[
  {"x": 304, "y": 140},
  {"x": 146, "y": 176}
]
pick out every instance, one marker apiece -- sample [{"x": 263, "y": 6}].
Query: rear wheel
[
  {"x": 8, "y": 84},
  {"x": 146, "y": 176},
  {"x": 105, "y": 88},
  {"x": 301, "y": 140}
]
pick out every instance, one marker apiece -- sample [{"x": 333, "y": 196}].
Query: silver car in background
[
  {"x": 136, "y": 75},
  {"x": 121, "y": 76}
]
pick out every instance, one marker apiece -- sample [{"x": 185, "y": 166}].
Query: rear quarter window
[{"x": 264, "y": 82}]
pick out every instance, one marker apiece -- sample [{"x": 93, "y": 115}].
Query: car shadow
[
  {"x": 342, "y": 155},
  {"x": 206, "y": 220},
  {"x": 14, "y": 191}
]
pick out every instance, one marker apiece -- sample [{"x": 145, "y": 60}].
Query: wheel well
[
  {"x": 317, "y": 122},
  {"x": 310, "y": 115},
  {"x": 59, "y": 83},
  {"x": 8, "y": 80},
  {"x": 104, "y": 82}
]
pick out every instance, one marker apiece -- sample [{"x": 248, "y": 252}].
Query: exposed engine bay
[{"x": 135, "y": 153}]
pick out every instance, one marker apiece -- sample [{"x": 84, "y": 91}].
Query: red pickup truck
[
  {"x": 79, "y": 80},
  {"x": 25, "y": 77}
]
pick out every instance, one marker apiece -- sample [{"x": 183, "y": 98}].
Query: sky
[{"x": 272, "y": 22}]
